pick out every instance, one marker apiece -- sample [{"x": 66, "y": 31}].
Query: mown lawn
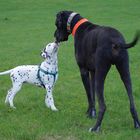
[{"x": 25, "y": 27}]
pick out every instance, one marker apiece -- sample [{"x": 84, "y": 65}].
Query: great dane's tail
[
  {"x": 116, "y": 46},
  {"x": 6, "y": 72},
  {"x": 134, "y": 42}
]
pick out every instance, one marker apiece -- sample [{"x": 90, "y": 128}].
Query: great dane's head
[
  {"x": 50, "y": 50},
  {"x": 63, "y": 21}
]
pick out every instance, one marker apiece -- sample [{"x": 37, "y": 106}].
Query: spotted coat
[{"x": 29, "y": 74}]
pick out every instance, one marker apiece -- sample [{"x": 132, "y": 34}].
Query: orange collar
[{"x": 78, "y": 24}]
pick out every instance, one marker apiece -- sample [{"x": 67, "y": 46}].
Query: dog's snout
[
  {"x": 55, "y": 33},
  {"x": 57, "y": 36},
  {"x": 56, "y": 41}
]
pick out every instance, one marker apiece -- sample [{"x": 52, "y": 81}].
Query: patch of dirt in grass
[{"x": 58, "y": 137}]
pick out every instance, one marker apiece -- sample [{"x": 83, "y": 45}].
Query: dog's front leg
[
  {"x": 86, "y": 81},
  {"x": 49, "y": 101},
  {"x": 92, "y": 88}
]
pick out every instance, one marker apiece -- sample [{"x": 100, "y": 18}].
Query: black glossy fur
[{"x": 96, "y": 49}]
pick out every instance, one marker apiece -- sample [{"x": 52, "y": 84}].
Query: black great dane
[{"x": 96, "y": 49}]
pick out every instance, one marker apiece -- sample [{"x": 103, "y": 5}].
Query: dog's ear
[
  {"x": 61, "y": 19},
  {"x": 59, "y": 14},
  {"x": 64, "y": 15}
]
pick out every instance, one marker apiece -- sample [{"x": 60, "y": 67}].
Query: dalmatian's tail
[{"x": 6, "y": 72}]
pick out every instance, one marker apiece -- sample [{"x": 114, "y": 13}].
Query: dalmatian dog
[{"x": 43, "y": 75}]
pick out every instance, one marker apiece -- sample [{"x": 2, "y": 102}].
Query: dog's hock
[{"x": 137, "y": 124}]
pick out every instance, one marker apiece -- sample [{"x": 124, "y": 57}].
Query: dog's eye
[{"x": 58, "y": 23}]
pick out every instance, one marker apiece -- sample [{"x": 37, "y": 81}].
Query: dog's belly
[{"x": 26, "y": 73}]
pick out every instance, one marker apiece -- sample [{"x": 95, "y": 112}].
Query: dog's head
[
  {"x": 61, "y": 33},
  {"x": 50, "y": 50}
]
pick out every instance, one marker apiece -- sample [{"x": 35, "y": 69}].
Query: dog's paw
[
  {"x": 13, "y": 107},
  {"x": 93, "y": 129},
  {"x": 53, "y": 108},
  {"x": 137, "y": 125},
  {"x": 11, "y": 104}
]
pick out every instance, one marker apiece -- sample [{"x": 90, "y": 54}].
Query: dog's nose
[
  {"x": 57, "y": 42},
  {"x": 41, "y": 53}
]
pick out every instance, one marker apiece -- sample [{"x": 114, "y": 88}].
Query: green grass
[{"x": 25, "y": 26}]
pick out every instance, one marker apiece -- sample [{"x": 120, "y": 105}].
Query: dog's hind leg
[
  {"x": 102, "y": 68},
  {"x": 123, "y": 69},
  {"x": 49, "y": 101},
  {"x": 7, "y": 96},
  {"x": 11, "y": 94}
]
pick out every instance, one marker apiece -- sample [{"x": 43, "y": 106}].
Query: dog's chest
[{"x": 49, "y": 66}]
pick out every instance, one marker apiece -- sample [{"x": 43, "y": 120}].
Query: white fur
[{"x": 29, "y": 74}]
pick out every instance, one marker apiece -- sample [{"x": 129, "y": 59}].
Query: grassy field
[{"x": 25, "y": 27}]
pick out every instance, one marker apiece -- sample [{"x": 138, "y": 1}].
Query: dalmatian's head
[{"x": 50, "y": 50}]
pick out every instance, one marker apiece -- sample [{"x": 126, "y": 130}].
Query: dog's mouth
[
  {"x": 61, "y": 39},
  {"x": 46, "y": 54}
]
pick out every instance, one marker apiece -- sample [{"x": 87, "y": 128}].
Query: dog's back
[{"x": 94, "y": 38}]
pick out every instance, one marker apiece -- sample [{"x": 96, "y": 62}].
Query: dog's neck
[
  {"x": 50, "y": 64},
  {"x": 51, "y": 60},
  {"x": 74, "y": 21}
]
